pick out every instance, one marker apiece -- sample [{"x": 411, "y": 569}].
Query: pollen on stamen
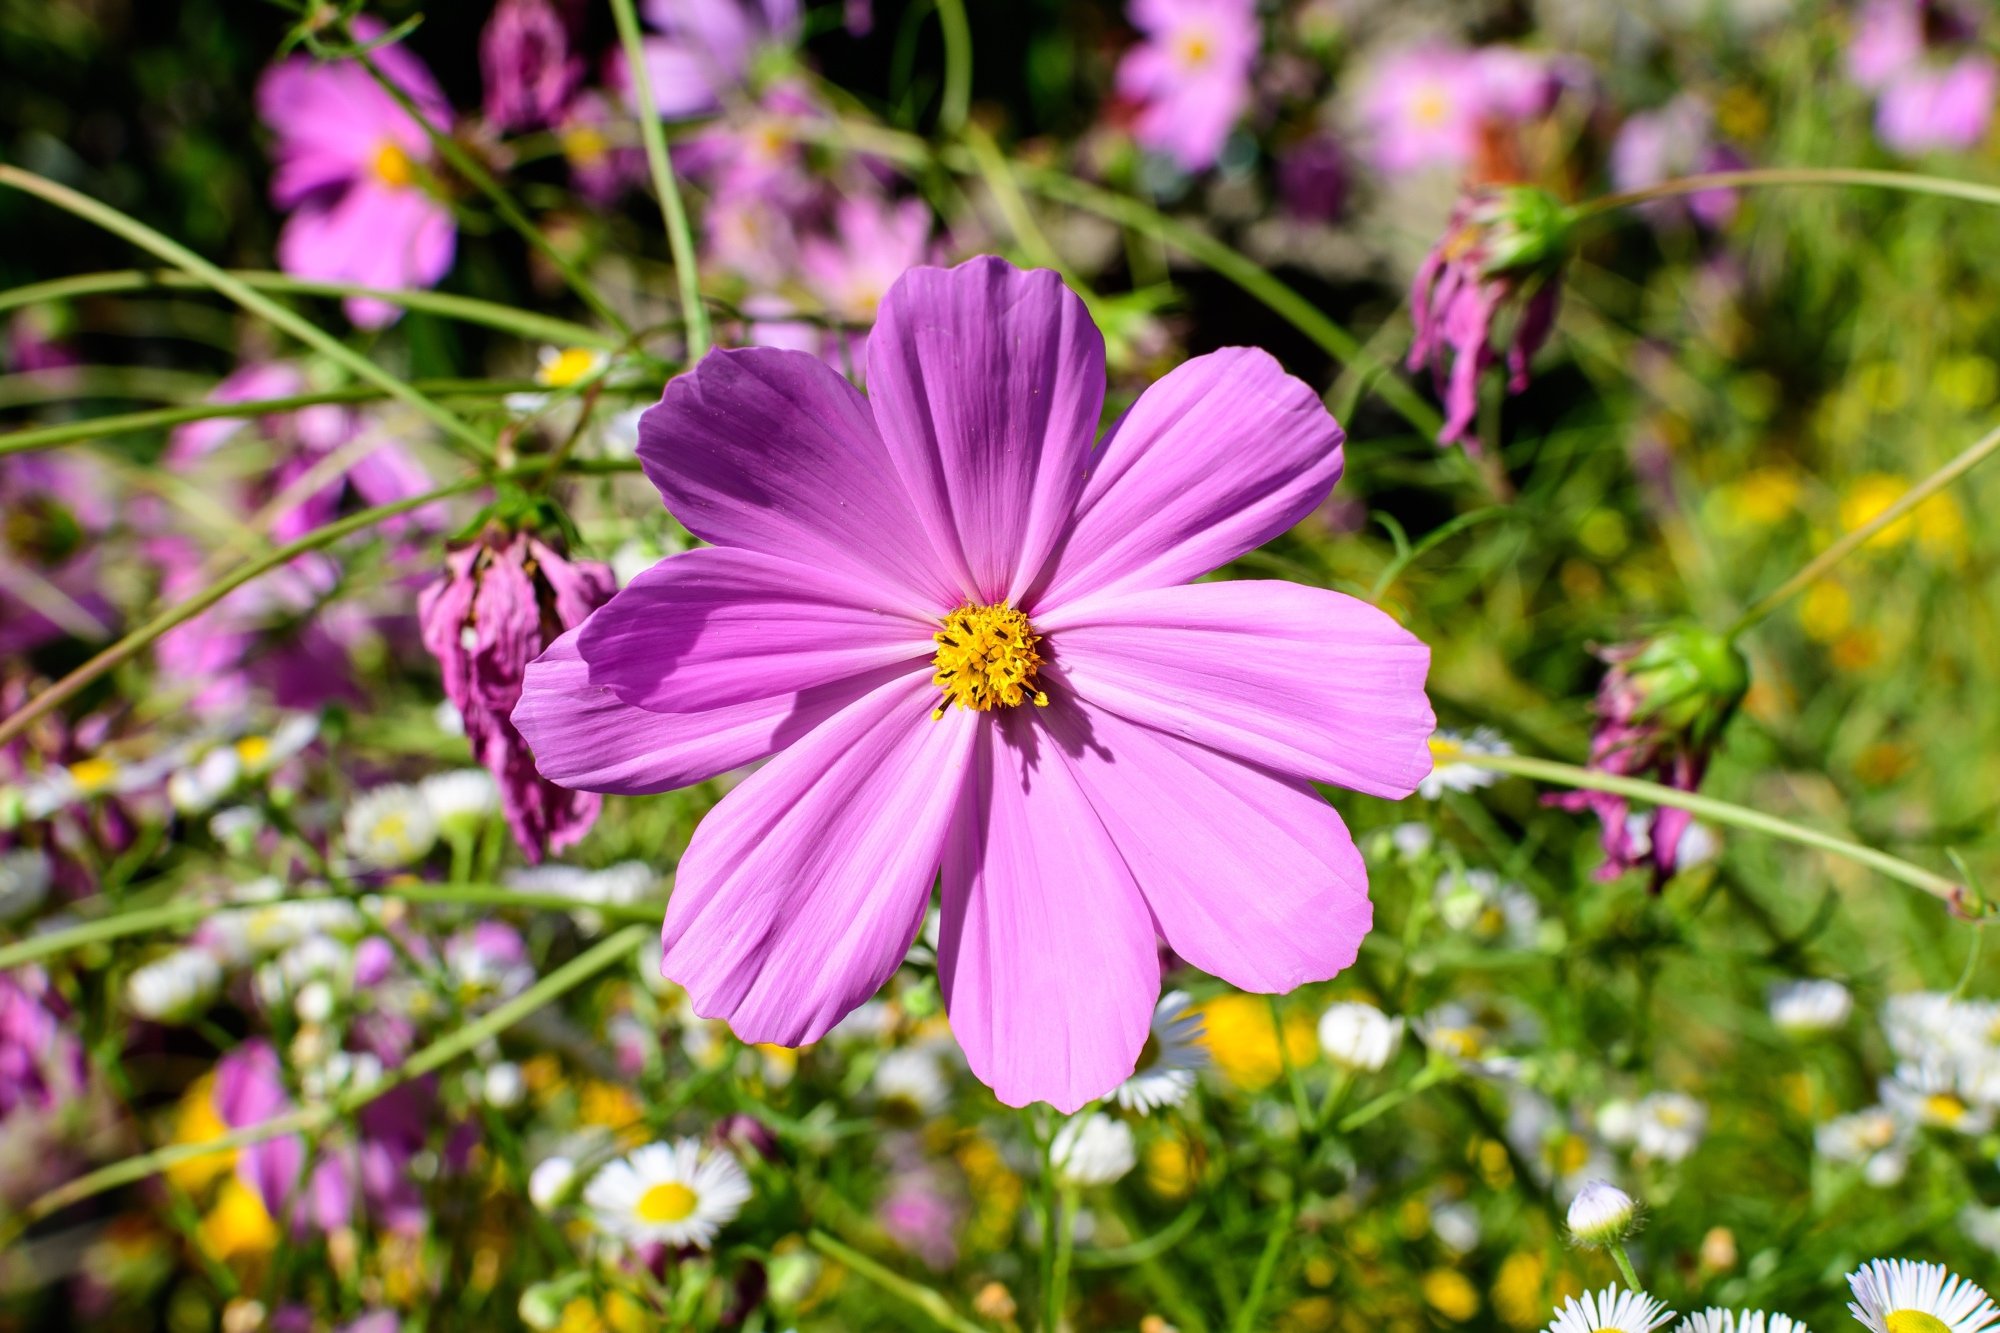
[{"x": 986, "y": 659}]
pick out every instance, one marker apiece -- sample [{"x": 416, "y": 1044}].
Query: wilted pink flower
[
  {"x": 1191, "y": 74},
  {"x": 349, "y": 161},
  {"x": 1498, "y": 257},
  {"x": 1660, "y": 710},
  {"x": 525, "y": 60},
  {"x": 1429, "y": 105},
  {"x": 501, "y": 602},
  {"x": 1929, "y": 109},
  {"x": 971, "y": 642},
  {"x": 1678, "y": 139}
]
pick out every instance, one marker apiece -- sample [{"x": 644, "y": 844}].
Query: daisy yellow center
[
  {"x": 392, "y": 166},
  {"x": 253, "y": 750},
  {"x": 1944, "y": 1108},
  {"x": 93, "y": 775},
  {"x": 567, "y": 367},
  {"x": 1444, "y": 751},
  {"x": 671, "y": 1202},
  {"x": 986, "y": 659},
  {"x": 585, "y": 145},
  {"x": 1914, "y": 1321}
]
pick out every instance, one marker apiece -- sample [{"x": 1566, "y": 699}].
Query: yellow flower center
[
  {"x": 585, "y": 145},
  {"x": 567, "y": 367},
  {"x": 671, "y": 1202},
  {"x": 253, "y": 750},
  {"x": 392, "y": 166},
  {"x": 986, "y": 659},
  {"x": 1431, "y": 107},
  {"x": 92, "y": 775},
  {"x": 1444, "y": 751},
  {"x": 1196, "y": 49},
  {"x": 1944, "y": 1108},
  {"x": 1915, "y": 1321}
]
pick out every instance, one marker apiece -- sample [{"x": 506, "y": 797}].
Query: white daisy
[
  {"x": 1174, "y": 1050},
  {"x": 912, "y": 1077},
  {"x": 1873, "y": 1138},
  {"x": 24, "y": 882},
  {"x": 1669, "y": 1125},
  {"x": 675, "y": 1194},
  {"x": 1448, "y": 774},
  {"x": 261, "y": 755},
  {"x": 1809, "y": 1007},
  {"x": 174, "y": 986},
  {"x": 461, "y": 800},
  {"x": 1898, "y": 1296},
  {"x": 1717, "y": 1320},
  {"x": 389, "y": 827},
  {"x": 198, "y": 788},
  {"x": 1612, "y": 1310},
  {"x": 1093, "y": 1149},
  {"x": 1411, "y": 840},
  {"x": 1935, "y": 1095},
  {"x": 1359, "y": 1037},
  {"x": 1480, "y": 903},
  {"x": 549, "y": 1182}
]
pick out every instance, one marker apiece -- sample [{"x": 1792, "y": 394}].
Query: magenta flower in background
[
  {"x": 970, "y": 640},
  {"x": 1428, "y": 105},
  {"x": 348, "y": 164},
  {"x": 529, "y": 71},
  {"x": 1499, "y": 257},
  {"x": 41, "y": 1060},
  {"x": 54, "y": 508},
  {"x": 1677, "y": 139},
  {"x": 1931, "y": 109},
  {"x": 1887, "y": 39},
  {"x": 873, "y": 241},
  {"x": 1190, "y": 74},
  {"x": 707, "y": 49},
  {"x": 500, "y": 603}
]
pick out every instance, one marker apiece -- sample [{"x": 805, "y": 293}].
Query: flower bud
[{"x": 1601, "y": 1214}]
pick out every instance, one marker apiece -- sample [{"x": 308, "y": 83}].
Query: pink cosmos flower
[
  {"x": 1191, "y": 74},
  {"x": 348, "y": 161},
  {"x": 1928, "y": 109},
  {"x": 1678, "y": 139},
  {"x": 873, "y": 241},
  {"x": 708, "y": 49},
  {"x": 525, "y": 60},
  {"x": 499, "y": 603},
  {"x": 1428, "y": 105},
  {"x": 971, "y": 641}
]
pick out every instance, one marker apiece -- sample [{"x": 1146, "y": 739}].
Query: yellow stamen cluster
[
  {"x": 669, "y": 1202},
  {"x": 1915, "y": 1321},
  {"x": 392, "y": 166},
  {"x": 986, "y": 659}
]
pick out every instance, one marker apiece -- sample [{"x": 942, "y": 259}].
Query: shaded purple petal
[
  {"x": 584, "y": 736},
  {"x": 771, "y": 451},
  {"x": 1250, "y": 876},
  {"x": 802, "y": 890},
  {"x": 987, "y": 383},
  {"x": 1217, "y": 458},
  {"x": 714, "y": 627},
  {"x": 1046, "y": 954},
  {"x": 1302, "y": 680}
]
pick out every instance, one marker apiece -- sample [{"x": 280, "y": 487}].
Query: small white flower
[
  {"x": 174, "y": 986},
  {"x": 1456, "y": 1225},
  {"x": 337, "y": 1072},
  {"x": 315, "y": 1002},
  {"x": 461, "y": 800},
  {"x": 261, "y": 755},
  {"x": 1449, "y": 774},
  {"x": 1093, "y": 1150},
  {"x": 1717, "y": 1320},
  {"x": 1174, "y": 1050},
  {"x": 1809, "y": 1007},
  {"x": 1359, "y": 1037},
  {"x": 502, "y": 1086},
  {"x": 236, "y": 827},
  {"x": 1613, "y": 1310},
  {"x": 24, "y": 882},
  {"x": 1935, "y": 1095},
  {"x": 1898, "y": 1296},
  {"x": 1481, "y": 903},
  {"x": 202, "y": 784},
  {"x": 1670, "y": 1125},
  {"x": 1981, "y": 1226},
  {"x": 674, "y": 1193},
  {"x": 1601, "y": 1213},
  {"x": 389, "y": 827},
  {"x": 550, "y": 1181},
  {"x": 912, "y": 1076},
  {"x": 621, "y": 434},
  {"x": 1618, "y": 1121},
  {"x": 1411, "y": 840},
  {"x": 446, "y": 718}
]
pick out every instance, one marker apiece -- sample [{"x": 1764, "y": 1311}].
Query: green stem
[
  {"x": 957, "y": 67},
  {"x": 482, "y": 180},
  {"x": 131, "y": 229},
  {"x": 1267, "y": 1265},
  {"x": 1065, "y": 1242},
  {"x": 1909, "y": 182},
  {"x": 1624, "y": 1262},
  {"x": 1301, "y": 1106},
  {"x": 1724, "y": 812},
  {"x": 913, "y": 1294},
  {"x": 1434, "y": 1072},
  {"x": 615, "y": 949},
  {"x": 191, "y": 911},
  {"x": 1972, "y": 457},
  {"x": 672, "y": 211},
  {"x": 465, "y": 309},
  {"x": 126, "y": 423}
]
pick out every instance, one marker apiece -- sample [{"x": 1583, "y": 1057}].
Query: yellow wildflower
[{"x": 1244, "y": 1041}]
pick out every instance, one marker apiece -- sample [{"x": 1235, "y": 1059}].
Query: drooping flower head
[
  {"x": 528, "y": 67},
  {"x": 1190, "y": 74},
  {"x": 1661, "y": 709},
  {"x": 1485, "y": 294},
  {"x": 501, "y": 601},
  {"x": 969, "y": 637},
  {"x": 350, "y": 165}
]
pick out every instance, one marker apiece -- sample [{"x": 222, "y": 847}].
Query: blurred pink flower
[
  {"x": 1190, "y": 74},
  {"x": 1427, "y": 105},
  {"x": 529, "y": 71},
  {"x": 966, "y": 636},
  {"x": 41, "y": 1060},
  {"x": 1677, "y": 139},
  {"x": 54, "y": 509},
  {"x": 349, "y": 162},
  {"x": 873, "y": 241},
  {"x": 707, "y": 50},
  {"x": 500, "y": 602},
  {"x": 1928, "y": 109}
]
